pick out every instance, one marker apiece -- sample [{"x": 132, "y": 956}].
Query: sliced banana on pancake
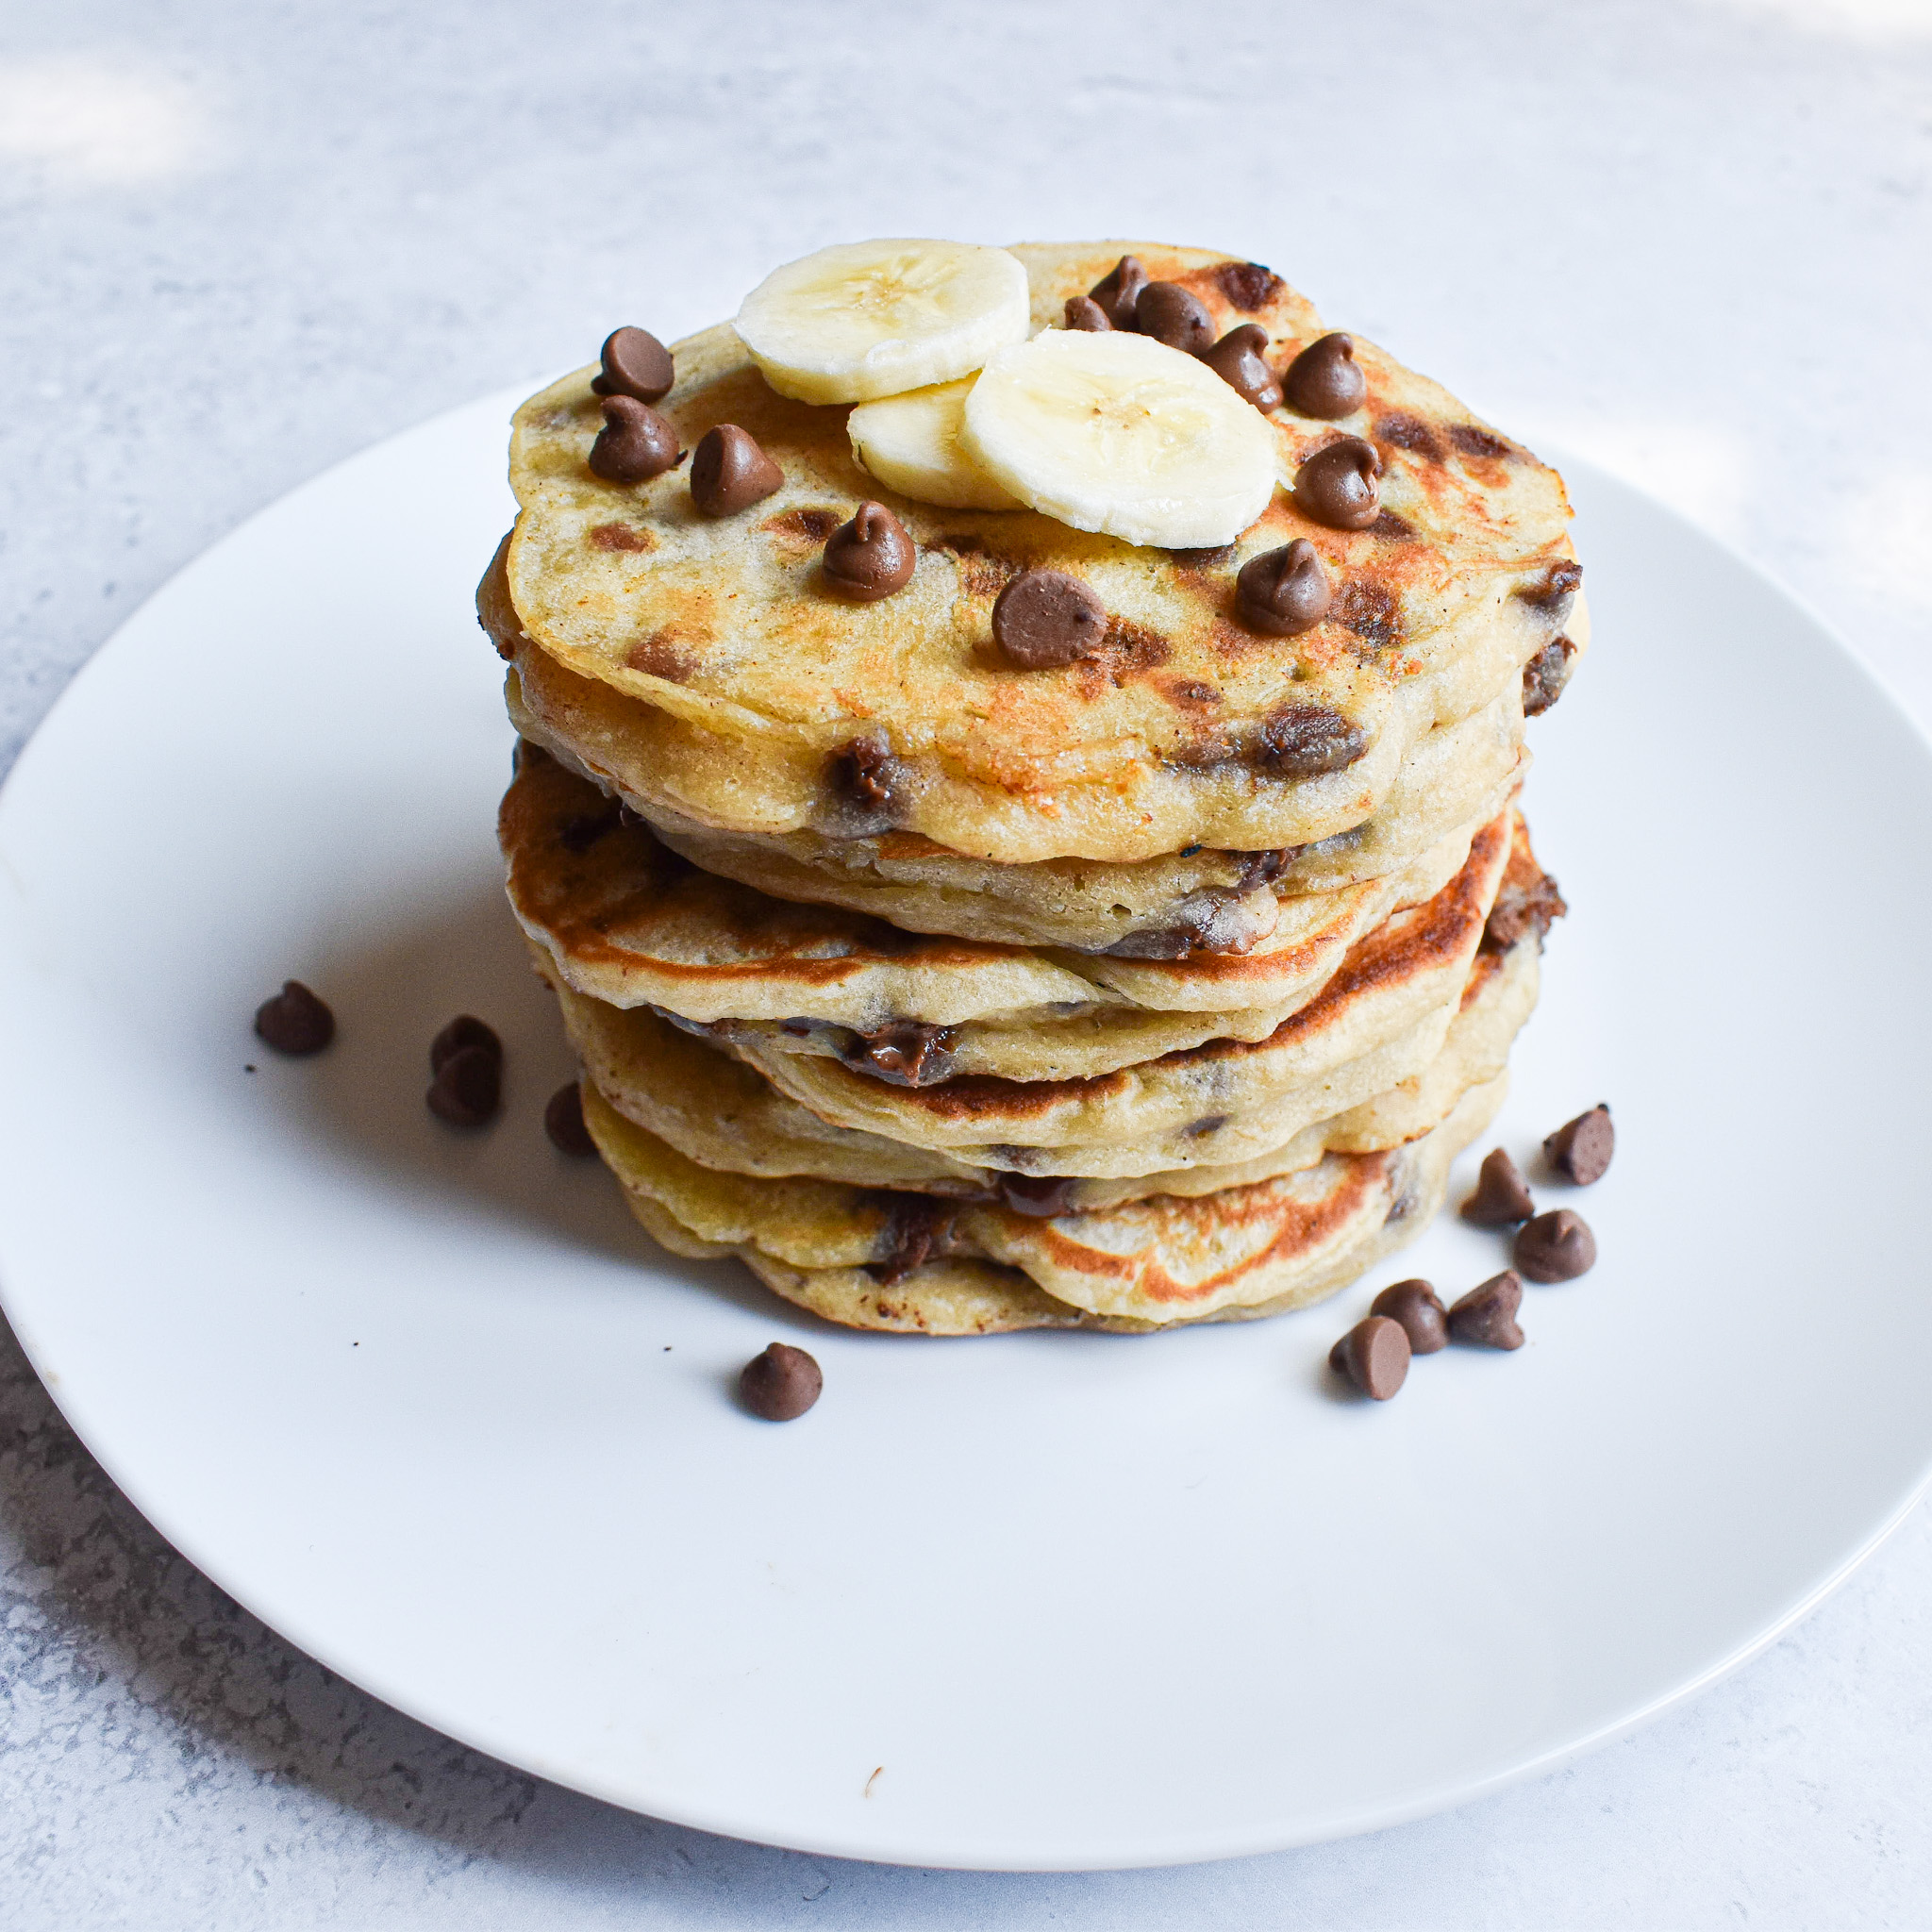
[
  {"x": 1121, "y": 434},
  {"x": 877, "y": 318},
  {"x": 911, "y": 445}
]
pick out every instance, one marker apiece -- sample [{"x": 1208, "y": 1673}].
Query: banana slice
[
  {"x": 1121, "y": 434},
  {"x": 911, "y": 445},
  {"x": 877, "y": 318}
]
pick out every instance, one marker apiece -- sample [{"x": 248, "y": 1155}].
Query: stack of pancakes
[{"x": 1159, "y": 985}]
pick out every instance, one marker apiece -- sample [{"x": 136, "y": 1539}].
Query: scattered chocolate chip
[
  {"x": 1248, "y": 285},
  {"x": 1556, "y": 1246},
  {"x": 903, "y": 1052},
  {"x": 1545, "y": 675},
  {"x": 1580, "y": 1150},
  {"x": 1521, "y": 909},
  {"x": 1040, "y": 1196},
  {"x": 919, "y": 1227},
  {"x": 1176, "y": 316},
  {"x": 1237, "y": 360},
  {"x": 1338, "y": 485},
  {"x": 867, "y": 779},
  {"x": 1501, "y": 1197},
  {"x": 870, "y": 557},
  {"x": 1044, "y": 619},
  {"x": 295, "y": 1021},
  {"x": 1322, "y": 381},
  {"x": 468, "y": 1087},
  {"x": 1083, "y": 313},
  {"x": 464, "y": 1031},
  {"x": 1302, "y": 740},
  {"x": 780, "y": 1384},
  {"x": 1486, "y": 1316},
  {"x": 1284, "y": 592},
  {"x": 635, "y": 364},
  {"x": 634, "y": 443},
  {"x": 730, "y": 473},
  {"x": 563, "y": 1121},
  {"x": 1374, "y": 1354},
  {"x": 1118, "y": 292},
  {"x": 1418, "y": 1308}
]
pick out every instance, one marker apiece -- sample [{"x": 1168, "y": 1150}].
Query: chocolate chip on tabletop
[
  {"x": 1237, "y": 360},
  {"x": 1486, "y": 1316},
  {"x": 1580, "y": 1150},
  {"x": 1044, "y": 619},
  {"x": 635, "y": 443},
  {"x": 563, "y": 1121},
  {"x": 780, "y": 1384},
  {"x": 1556, "y": 1246},
  {"x": 1417, "y": 1306},
  {"x": 870, "y": 557},
  {"x": 1284, "y": 592},
  {"x": 295, "y": 1021},
  {"x": 635, "y": 364},
  {"x": 1176, "y": 316},
  {"x": 730, "y": 473},
  {"x": 1118, "y": 292},
  {"x": 1083, "y": 313},
  {"x": 1339, "y": 484},
  {"x": 1322, "y": 381},
  {"x": 1502, "y": 1197},
  {"x": 1374, "y": 1354}
]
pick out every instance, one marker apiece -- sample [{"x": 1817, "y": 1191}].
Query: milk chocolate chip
[
  {"x": 1237, "y": 360},
  {"x": 1118, "y": 292},
  {"x": 295, "y": 1021},
  {"x": 1374, "y": 1354},
  {"x": 780, "y": 1384},
  {"x": 1039, "y": 1196},
  {"x": 1084, "y": 312},
  {"x": 1486, "y": 1316},
  {"x": 468, "y": 1087},
  {"x": 1176, "y": 316},
  {"x": 1545, "y": 675},
  {"x": 1556, "y": 1246},
  {"x": 1284, "y": 592},
  {"x": 1302, "y": 740},
  {"x": 1045, "y": 618},
  {"x": 1418, "y": 1308},
  {"x": 867, "y": 778},
  {"x": 870, "y": 557},
  {"x": 1337, "y": 485},
  {"x": 1580, "y": 1150},
  {"x": 1501, "y": 1198},
  {"x": 636, "y": 363},
  {"x": 730, "y": 473},
  {"x": 1322, "y": 381},
  {"x": 905, "y": 1053},
  {"x": 563, "y": 1121},
  {"x": 635, "y": 442}
]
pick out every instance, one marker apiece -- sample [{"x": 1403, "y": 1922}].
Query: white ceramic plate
[{"x": 435, "y": 1409}]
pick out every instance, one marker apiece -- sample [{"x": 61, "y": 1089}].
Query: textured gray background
[{"x": 239, "y": 239}]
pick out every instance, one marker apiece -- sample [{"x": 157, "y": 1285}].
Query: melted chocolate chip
[
  {"x": 1486, "y": 1316},
  {"x": 1322, "y": 381},
  {"x": 618, "y": 537},
  {"x": 1200, "y": 558},
  {"x": 870, "y": 557},
  {"x": 1374, "y": 1354},
  {"x": 1083, "y": 313},
  {"x": 1044, "y": 619},
  {"x": 903, "y": 1052},
  {"x": 1502, "y": 1197},
  {"x": 563, "y": 1121},
  {"x": 468, "y": 1087},
  {"x": 1338, "y": 485},
  {"x": 1302, "y": 740},
  {"x": 1284, "y": 592},
  {"x": 296, "y": 1021},
  {"x": 1261, "y": 868},
  {"x": 1410, "y": 433},
  {"x": 1391, "y": 527},
  {"x": 462, "y": 1033},
  {"x": 1247, "y": 285},
  {"x": 1479, "y": 444},
  {"x": 1211, "y": 920},
  {"x": 635, "y": 364},
  {"x": 1521, "y": 909},
  {"x": 635, "y": 442},
  {"x": 1418, "y": 1308},
  {"x": 919, "y": 1225},
  {"x": 1556, "y": 1246},
  {"x": 1039, "y": 1196},
  {"x": 730, "y": 473},
  {"x": 1545, "y": 676},
  {"x": 1118, "y": 292},
  {"x": 867, "y": 779},
  {"x": 1580, "y": 1150},
  {"x": 1556, "y": 590},
  {"x": 1237, "y": 360},
  {"x": 1176, "y": 316},
  {"x": 781, "y": 1384}
]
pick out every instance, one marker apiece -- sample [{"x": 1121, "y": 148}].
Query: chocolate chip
[
  {"x": 1247, "y": 285},
  {"x": 464, "y": 1031},
  {"x": 1580, "y": 1150},
  {"x": 870, "y": 557},
  {"x": 1501, "y": 1197},
  {"x": 1322, "y": 381},
  {"x": 1486, "y": 1316},
  {"x": 1337, "y": 485},
  {"x": 1044, "y": 619},
  {"x": 295, "y": 1021},
  {"x": 1556, "y": 1246},
  {"x": 582, "y": 830},
  {"x": 635, "y": 364},
  {"x": 468, "y": 1087},
  {"x": 919, "y": 1227},
  {"x": 1302, "y": 740},
  {"x": 1211, "y": 920},
  {"x": 1481, "y": 444},
  {"x": 1039, "y": 1196},
  {"x": 1557, "y": 590},
  {"x": 1261, "y": 868},
  {"x": 1545, "y": 675},
  {"x": 634, "y": 443},
  {"x": 730, "y": 473},
  {"x": 1237, "y": 360},
  {"x": 1083, "y": 313},
  {"x": 1521, "y": 909},
  {"x": 867, "y": 779},
  {"x": 1404, "y": 431},
  {"x": 780, "y": 1384},
  {"x": 1118, "y": 292},
  {"x": 1284, "y": 592},
  {"x": 563, "y": 1121},
  {"x": 903, "y": 1052},
  {"x": 1374, "y": 1354},
  {"x": 1176, "y": 316},
  {"x": 1418, "y": 1308}
]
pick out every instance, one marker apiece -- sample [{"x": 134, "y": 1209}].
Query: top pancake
[{"x": 748, "y": 677}]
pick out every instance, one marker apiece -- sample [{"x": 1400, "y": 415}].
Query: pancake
[{"x": 744, "y": 687}]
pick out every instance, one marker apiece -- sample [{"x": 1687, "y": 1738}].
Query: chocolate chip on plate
[
  {"x": 1044, "y": 619},
  {"x": 1176, "y": 316},
  {"x": 465, "y": 1030},
  {"x": 1556, "y": 1246},
  {"x": 1580, "y": 1150},
  {"x": 1322, "y": 381},
  {"x": 1237, "y": 360},
  {"x": 563, "y": 1121},
  {"x": 468, "y": 1087},
  {"x": 1083, "y": 313},
  {"x": 870, "y": 557},
  {"x": 1284, "y": 592},
  {"x": 730, "y": 473},
  {"x": 1118, "y": 292},
  {"x": 1502, "y": 1197},
  {"x": 1338, "y": 485},
  {"x": 1374, "y": 1354},
  {"x": 637, "y": 364},
  {"x": 635, "y": 442},
  {"x": 1486, "y": 1316},
  {"x": 780, "y": 1384},
  {"x": 295, "y": 1021},
  {"x": 1418, "y": 1308}
]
